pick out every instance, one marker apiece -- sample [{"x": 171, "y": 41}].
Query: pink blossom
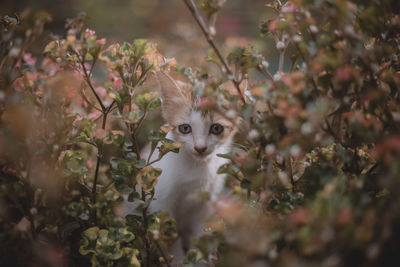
[
  {"x": 117, "y": 82},
  {"x": 18, "y": 85},
  {"x": 343, "y": 74},
  {"x": 89, "y": 33},
  {"x": 31, "y": 61},
  {"x": 90, "y": 163},
  {"x": 32, "y": 76},
  {"x": 204, "y": 101},
  {"x": 101, "y": 41},
  {"x": 101, "y": 92},
  {"x": 94, "y": 115},
  {"x": 289, "y": 8}
]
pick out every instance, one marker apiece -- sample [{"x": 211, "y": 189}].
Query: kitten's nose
[{"x": 200, "y": 149}]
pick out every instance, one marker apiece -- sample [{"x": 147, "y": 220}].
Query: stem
[
  {"x": 87, "y": 100},
  {"x": 145, "y": 225},
  {"x": 291, "y": 172},
  {"x": 154, "y": 161},
  {"x": 281, "y": 60},
  {"x": 89, "y": 82},
  {"x": 193, "y": 9},
  {"x": 99, "y": 156},
  {"x": 265, "y": 72},
  {"x": 282, "y": 56},
  {"x": 160, "y": 249}
]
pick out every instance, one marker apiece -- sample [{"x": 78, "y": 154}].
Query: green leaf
[
  {"x": 147, "y": 177},
  {"x": 92, "y": 233},
  {"x": 148, "y": 101}
]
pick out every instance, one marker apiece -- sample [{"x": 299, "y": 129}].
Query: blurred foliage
[{"x": 313, "y": 176}]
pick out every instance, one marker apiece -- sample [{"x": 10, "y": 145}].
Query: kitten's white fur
[{"x": 188, "y": 172}]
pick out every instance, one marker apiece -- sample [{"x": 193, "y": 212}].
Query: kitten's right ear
[{"x": 177, "y": 97}]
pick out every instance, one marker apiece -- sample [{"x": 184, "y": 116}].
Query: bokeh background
[{"x": 166, "y": 22}]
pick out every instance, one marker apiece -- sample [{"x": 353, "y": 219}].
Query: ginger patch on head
[{"x": 177, "y": 98}]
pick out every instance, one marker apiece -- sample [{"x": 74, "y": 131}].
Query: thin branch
[
  {"x": 160, "y": 249},
  {"x": 291, "y": 172},
  {"x": 265, "y": 72},
  {"x": 87, "y": 100},
  {"x": 88, "y": 80},
  {"x": 99, "y": 156},
  {"x": 154, "y": 161},
  {"x": 145, "y": 225},
  {"x": 193, "y": 9},
  {"x": 282, "y": 56},
  {"x": 150, "y": 154}
]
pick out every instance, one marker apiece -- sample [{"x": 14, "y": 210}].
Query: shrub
[{"x": 313, "y": 177}]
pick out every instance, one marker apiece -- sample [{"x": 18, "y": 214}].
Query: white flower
[
  {"x": 306, "y": 128},
  {"x": 265, "y": 64},
  {"x": 14, "y": 52},
  {"x": 313, "y": 29},
  {"x": 349, "y": 30},
  {"x": 280, "y": 45},
  {"x": 396, "y": 116},
  {"x": 284, "y": 178},
  {"x": 369, "y": 47},
  {"x": 295, "y": 150},
  {"x": 297, "y": 38},
  {"x": 253, "y": 134},
  {"x": 231, "y": 114},
  {"x": 33, "y": 211},
  {"x": 270, "y": 149},
  {"x": 277, "y": 77},
  {"x": 212, "y": 31}
]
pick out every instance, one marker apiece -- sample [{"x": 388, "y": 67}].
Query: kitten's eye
[
  {"x": 216, "y": 129},
  {"x": 185, "y": 128}
]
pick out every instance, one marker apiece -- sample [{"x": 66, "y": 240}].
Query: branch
[
  {"x": 88, "y": 81},
  {"x": 87, "y": 100},
  {"x": 195, "y": 13},
  {"x": 160, "y": 249},
  {"x": 99, "y": 156},
  {"x": 282, "y": 55}
]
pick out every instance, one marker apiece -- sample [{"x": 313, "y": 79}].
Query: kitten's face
[{"x": 202, "y": 132}]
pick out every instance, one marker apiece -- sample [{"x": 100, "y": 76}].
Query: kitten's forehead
[{"x": 206, "y": 118}]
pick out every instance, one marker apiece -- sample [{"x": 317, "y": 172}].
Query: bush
[{"x": 313, "y": 177}]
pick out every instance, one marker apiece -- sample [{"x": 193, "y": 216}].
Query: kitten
[{"x": 194, "y": 168}]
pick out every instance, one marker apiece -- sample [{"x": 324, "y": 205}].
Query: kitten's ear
[{"x": 177, "y": 97}]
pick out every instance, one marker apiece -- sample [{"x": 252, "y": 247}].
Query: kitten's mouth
[{"x": 203, "y": 155}]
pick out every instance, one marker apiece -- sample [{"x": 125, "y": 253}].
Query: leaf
[
  {"x": 92, "y": 233},
  {"x": 148, "y": 101},
  {"x": 170, "y": 146},
  {"x": 132, "y": 117},
  {"x": 147, "y": 177}
]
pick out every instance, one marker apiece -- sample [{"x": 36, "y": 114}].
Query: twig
[
  {"x": 266, "y": 73},
  {"x": 282, "y": 56},
  {"x": 154, "y": 161},
  {"x": 87, "y": 100},
  {"x": 99, "y": 156},
  {"x": 291, "y": 172},
  {"x": 145, "y": 225},
  {"x": 193, "y": 9},
  {"x": 88, "y": 81},
  {"x": 160, "y": 249}
]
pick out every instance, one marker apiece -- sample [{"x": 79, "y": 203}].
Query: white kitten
[{"x": 194, "y": 168}]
